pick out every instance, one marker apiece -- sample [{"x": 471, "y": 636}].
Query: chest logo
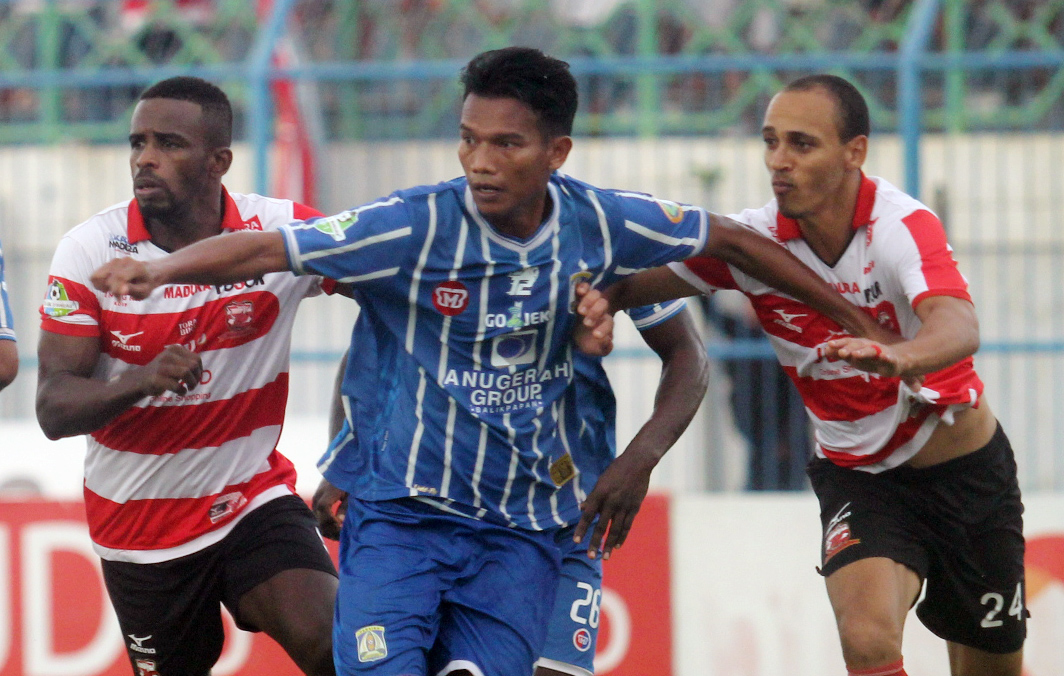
[
  {"x": 239, "y": 314},
  {"x": 124, "y": 337},
  {"x": 786, "y": 320},
  {"x": 521, "y": 282},
  {"x": 514, "y": 349},
  {"x": 450, "y": 298}
]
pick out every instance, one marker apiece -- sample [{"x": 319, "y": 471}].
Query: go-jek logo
[{"x": 450, "y": 298}]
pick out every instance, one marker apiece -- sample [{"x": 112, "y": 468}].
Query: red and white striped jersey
[
  {"x": 174, "y": 473},
  {"x": 898, "y": 257}
]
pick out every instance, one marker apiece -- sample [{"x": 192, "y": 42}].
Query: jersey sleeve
[
  {"x": 7, "y": 322},
  {"x": 353, "y": 246},
  {"x": 301, "y": 212},
  {"x": 922, "y": 259},
  {"x": 70, "y": 305},
  {"x": 648, "y": 232},
  {"x": 649, "y": 316}
]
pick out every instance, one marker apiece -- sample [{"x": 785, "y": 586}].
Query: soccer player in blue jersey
[
  {"x": 460, "y": 469},
  {"x": 573, "y": 627},
  {"x": 8, "y": 350}
]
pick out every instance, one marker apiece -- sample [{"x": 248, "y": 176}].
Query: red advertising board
[
  {"x": 56, "y": 620},
  {"x": 635, "y": 636}
]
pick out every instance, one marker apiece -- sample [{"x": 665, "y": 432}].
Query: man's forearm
[
  {"x": 69, "y": 405},
  {"x": 222, "y": 260},
  {"x": 772, "y": 264}
]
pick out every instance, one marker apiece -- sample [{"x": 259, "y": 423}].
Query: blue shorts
[
  {"x": 573, "y": 629},
  {"x": 424, "y": 591}
]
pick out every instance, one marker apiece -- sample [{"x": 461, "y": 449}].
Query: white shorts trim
[
  {"x": 455, "y": 665},
  {"x": 563, "y": 667}
]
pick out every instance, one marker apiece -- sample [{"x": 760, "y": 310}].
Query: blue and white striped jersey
[
  {"x": 461, "y": 357},
  {"x": 7, "y": 323}
]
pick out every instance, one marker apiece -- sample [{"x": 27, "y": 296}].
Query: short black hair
[
  {"x": 217, "y": 112},
  {"x": 541, "y": 82},
  {"x": 853, "y": 111}
]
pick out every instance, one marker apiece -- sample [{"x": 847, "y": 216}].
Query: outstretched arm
[
  {"x": 216, "y": 260},
  {"x": 620, "y": 490},
  {"x": 949, "y": 333}
]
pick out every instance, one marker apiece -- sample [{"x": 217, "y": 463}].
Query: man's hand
[
  {"x": 615, "y": 500},
  {"x": 125, "y": 277},
  {"x": 594, "y": 334},
  {"x": 329, "y": 505},
  {"x": 175, "y": 369}
]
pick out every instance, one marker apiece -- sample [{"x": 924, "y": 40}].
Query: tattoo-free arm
[
  {"x": 8, "y": 362},
  {"x": 949, "y": 332},
  {"x": 214, "y": 260},
  {"x": 71, "y": 402},
  {"x": 619, "y": 492},
  {"x": 329, "y": 502}
]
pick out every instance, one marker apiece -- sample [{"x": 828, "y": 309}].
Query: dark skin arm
[
  {"x": 8, "y": 362},
  {"x": 762, "y": 259},
  {"x": 71, "y": 402},
  {"x": 329, "y": 502},
  {"x": 620, "y": 490}
]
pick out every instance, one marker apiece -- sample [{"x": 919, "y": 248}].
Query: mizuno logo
[
  {"x": 124, "y": 338},
  {"x": 788, "y": 317},
  {"x": 139, "y": 640}
]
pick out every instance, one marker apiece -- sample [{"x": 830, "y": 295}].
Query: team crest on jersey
[
  {"x": 371, "y": 643},
  {"x": 56, "y": 302},
  {"x": 514, "y": 349},
  {"x": 336, "y": 226},
  {"x": 562, "y": 470},
  {"x": 575, "y": 279},
  {"x": 146, "y": 668},
  {"x": 225, "y": 506},
  {"x": 450, "y": 298},
  {"x": 239, "y": 314},
  {"x": 582, "y": 639},
  {"x": 672, "y": 210},
  {"x": 521, "y": 282}
]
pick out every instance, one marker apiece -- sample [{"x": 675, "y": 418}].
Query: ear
[
  {"x": 856, "y": 151},
  {"x": 221, "y": 160},
  {"x": 559, "y": 151}
]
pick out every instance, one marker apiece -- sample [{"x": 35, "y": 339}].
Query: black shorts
[
  {"x": 958, "y": 525},
  {"x": 169, "y": 612}
]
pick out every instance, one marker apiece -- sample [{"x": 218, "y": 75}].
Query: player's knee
[{"x": 869, "y": 641}]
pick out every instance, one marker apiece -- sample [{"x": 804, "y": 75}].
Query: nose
[
  {"x": 145, "y": 156},
  {"x": 777, "y": 159},
  {"x": 479, "y": 159}
]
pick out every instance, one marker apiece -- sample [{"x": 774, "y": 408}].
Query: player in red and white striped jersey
[
  {"x": 182, "y": 396},
  {"x": 915, "y": 483}
]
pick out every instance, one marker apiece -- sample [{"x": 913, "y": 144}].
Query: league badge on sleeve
[{"x": 57, "y": 303}]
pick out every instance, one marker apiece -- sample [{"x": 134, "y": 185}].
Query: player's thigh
[
  {"x": 873, "y": 595},
  {"x": 572, "y": 631},
  {"x": 495, "y": 615},
  {"x": 968, "y": 661},
  {"x": 279, "y": 576},
  {"x": 169, "y": 613},
  {"x": 394, "y": 568}
]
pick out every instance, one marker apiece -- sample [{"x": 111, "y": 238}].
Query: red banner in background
[
  {"x": 635, "y": 634},
  {"x": 56, "y": 619}
]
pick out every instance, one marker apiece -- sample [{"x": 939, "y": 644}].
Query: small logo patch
[
  {"x": 562, "y": 470},
  {"x": 672, "y": 210},
  {"x": 582, "y": 639},
  {"x": 56, "y": 302},
  {"x": 371, "y": 644},
  {"x": 838, "y": 539},
  {"x": 146, "y": 668},
  {"x": 514, "y": 349},
  {"x": 450, "y": 298},
  {"x": 225, "y": 506},
  {"x": 336, "y": 226}
]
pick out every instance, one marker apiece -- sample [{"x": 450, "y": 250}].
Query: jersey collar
[
  {"x": 787, "y": 228},
  {"x": 137, "y": 231}
]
